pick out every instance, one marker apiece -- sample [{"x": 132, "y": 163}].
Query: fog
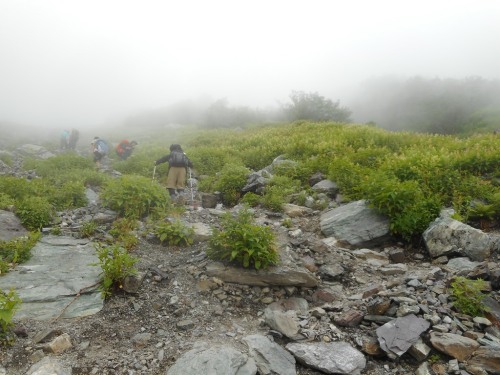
[{"x": 86, "y": 63}]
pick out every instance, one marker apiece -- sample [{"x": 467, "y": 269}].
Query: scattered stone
[{"x": 455, "y": 346}]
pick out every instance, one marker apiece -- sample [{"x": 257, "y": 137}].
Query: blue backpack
[{"x": 102, "y": 147}]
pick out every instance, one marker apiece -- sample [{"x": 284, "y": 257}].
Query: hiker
[
  {"x": 178, "y": 162},
  {"x": 99, "y": 149},
  {"x": 124, "y": 149},
  {"x": 64, "y": 139},
  {"x": 73, "y": 139}
]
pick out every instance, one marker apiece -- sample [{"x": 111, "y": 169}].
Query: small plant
[
  {"x": 122, "y": 231},
  {"x": 287, "y": 223},
  {"x": 231, "y": 180},
  {"x": 9, "y": 304},
  {"x": 34, "y": 212},
  {"x": 243, "y": 242},
  {"x": 116, "y": 264},
  {"x": 17, "y": 250},
  {"x": 134, "y": 196},
  {"x": 88, "y": 229},
  {"x": 251, "y": 199},
  {"x": 56, "y": 231},
  {"x": 468, "y": 297},
  {"x": 175, "y": 233}
]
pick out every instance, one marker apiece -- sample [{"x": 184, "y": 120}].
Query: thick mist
[{"x": 94, "y": 64}]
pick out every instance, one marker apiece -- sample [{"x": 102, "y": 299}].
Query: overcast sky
[{"x": 83, "y": 62}]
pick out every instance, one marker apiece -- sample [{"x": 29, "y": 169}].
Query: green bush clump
[
  {"x": 116, "y": 264},
  {"x": 9, "y": 304},
  {"x": 88, "y": 229},
  {"x": 122, "y": 229},
  {"x": 251, "y": 199},
  {"x": 134, "y": 196},
  {"x": 468, "y": 297},
  {"x": 278, "y": 191},
  {"x": 58, "y": 165},
  {"x": 175, "y": 232},
  {"x": 17, "y": 250},
  {"x": 231, "y": 179},
  {"x": 241, "y": 241},
  {"x": 34, "y": 212},
  {"x": 6, "y": 201}
]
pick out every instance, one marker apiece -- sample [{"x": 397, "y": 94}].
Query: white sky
[{"x": 78, "y": 62}]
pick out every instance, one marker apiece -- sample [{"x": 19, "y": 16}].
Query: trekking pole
[
  {"x": 191, "y": 186},
  {"x": 154, "y": 171}
]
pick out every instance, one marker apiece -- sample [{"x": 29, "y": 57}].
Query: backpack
[
  {"x": 102, "y": 147},
  {"x": 177, "y": 159}
]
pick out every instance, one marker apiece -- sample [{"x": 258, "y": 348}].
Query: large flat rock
[{"x": 60, "y": 267}]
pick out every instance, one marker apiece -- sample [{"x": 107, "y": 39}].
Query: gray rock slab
[
  {"x": 205, "y": 358},
  {"x": 398, "y": 335},
  {"x": 58, "y": 269},
  {"x": 10, "y": 226},
  {"x": 270, "y": 357},
  {"x": 48, "y": 366},
  {"x": 330, "y": 358},
  {"x": 278, "y": 276},
  {"x": 356, "y": 224}
]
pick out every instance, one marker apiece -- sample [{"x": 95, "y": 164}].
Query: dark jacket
[{"x": 176, "y": 159}]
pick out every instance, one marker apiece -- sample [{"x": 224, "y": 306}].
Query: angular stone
[
  {"x": 49, "y": 366},
  {"x": 350, "y": 318},
  {"x": 330, "y": 358},
  {"x": 269, "y": 357},
  {"x": 59, "y": 344},
  {"x": 487, "y": 358},
  {"x": 419, "y": 350},
  {"x": 397, "y": 336},
  {"x": 455, "y": 346}
]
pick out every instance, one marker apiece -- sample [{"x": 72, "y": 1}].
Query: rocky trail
[{"x": 345, "y": 299}]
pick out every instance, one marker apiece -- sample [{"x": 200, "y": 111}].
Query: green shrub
[
  {"x": 34, "y": 212},
  {"x": 241, "y": 241},
  {"x": 278, "y": 191},
  {"x": 58, "y": 165},
  {"x": 175, "y": 233},
  {"x": 9, "y": 304},
  {"x": 116, "y": 264},
  {"x": 251, "y": 199},
  {"x": 18, "y": 250},
  {"x": 16, "y": 188},
  {"x": 468, "y": 297},
  {"x": 6, "y": 201},
  {"x": 70, "y": 195},
  {"x": 122, "y": 229},
  {"x": 88, "y": 228},
  {"x": 7, "y": 159},
  {"x": 134, "y": 196},
  {"x": 231, "y": 179}
]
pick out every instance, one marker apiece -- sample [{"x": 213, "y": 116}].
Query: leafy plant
[
  {"x": 9, "y": 304},
  {"x": 241, "y": 241},
  {"x": 18, "y": 250},
  {"x": 34, "y": 212},
  {"x": 175, "y": 233},
  {"x": 251, "y": 199},
  {"x": 230, "y": 181},
  {"x": 116, "y": 264},
  {"x": 122, "y": 229},
  {"x": 88, "y": 228},
  {"x": 134, "y": 196},
  {"x": 468, "y": 297}
]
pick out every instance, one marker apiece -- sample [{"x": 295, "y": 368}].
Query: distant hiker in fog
[
  {"x": 99, "y": 149},
  {"x": 73, "y": 139},
  {"x": 125, "y": 148},
  {"x": 64, "y": 139},
  {"x": 178, "y": 163}
]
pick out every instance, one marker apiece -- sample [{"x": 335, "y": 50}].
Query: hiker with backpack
[
  {"x": 178, "y": 163},
  {"x": 124, "y": 149},
  {"x": 99, "y": 150}
]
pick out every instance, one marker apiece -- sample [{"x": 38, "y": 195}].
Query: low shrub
[
  {"x": 18, "y": 250},
  {"x": 468, "y": 297},
  {"x": 175, "y": 232},
  {"x": 9, "y": 304},
  {"x": 88, "y": 229},
  {"x": 122, "y": 229},
  {"x": 116, "y": 264},
  {"x": 134, "y": 196},
  {"x": 230, "y": 181},
  {"x": 241, "y": 241},
  {"x": 34, "y": 212}
]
